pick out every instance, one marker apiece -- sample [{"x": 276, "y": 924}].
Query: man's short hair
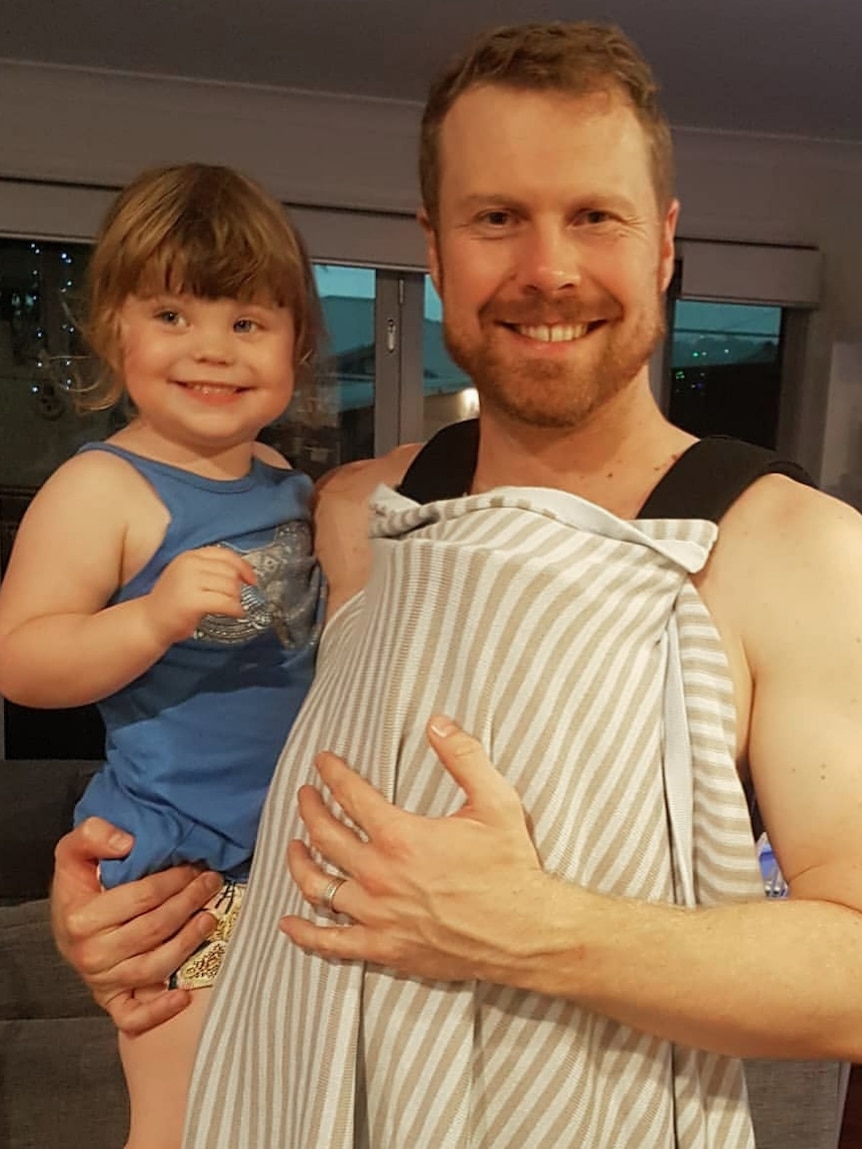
[{"x": 575, "y": 58}]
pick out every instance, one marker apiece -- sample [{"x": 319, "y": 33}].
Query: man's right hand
[{"x": 126, "y": 942}]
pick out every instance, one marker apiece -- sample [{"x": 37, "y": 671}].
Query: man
[{"x": 526, "y": 984}]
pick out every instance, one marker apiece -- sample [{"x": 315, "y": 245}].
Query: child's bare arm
[{"x": 59, "y": 644}]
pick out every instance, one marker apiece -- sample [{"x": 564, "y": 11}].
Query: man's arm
[
  {"x": 341, "y": 520},
  {"x": 464, "y": 897},
  {"x": 125, "y": 942}
]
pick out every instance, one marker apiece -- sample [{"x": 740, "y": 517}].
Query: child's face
[{"x": 206, "y": 373}]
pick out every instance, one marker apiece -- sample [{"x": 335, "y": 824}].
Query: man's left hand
[{"x": 440, "y": 898}]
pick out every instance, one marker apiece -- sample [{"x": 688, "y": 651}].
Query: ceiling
[{"x": 773, "y": 66}]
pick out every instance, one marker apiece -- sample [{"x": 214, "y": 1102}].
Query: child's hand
[{"x": 195, "y": 583}]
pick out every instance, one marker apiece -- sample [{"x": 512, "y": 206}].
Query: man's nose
[{"x": 549, "y": 261}]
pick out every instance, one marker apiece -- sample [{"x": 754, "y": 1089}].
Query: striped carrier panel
[{"x": 574, "y": 645}]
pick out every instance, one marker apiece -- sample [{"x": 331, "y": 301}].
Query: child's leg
[{"x": 158, "y": 1067}]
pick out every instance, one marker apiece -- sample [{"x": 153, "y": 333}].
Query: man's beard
[{"x": 542, "y": 393}]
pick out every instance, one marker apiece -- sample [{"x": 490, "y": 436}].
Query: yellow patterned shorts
[{"x": 200, "y": 970}]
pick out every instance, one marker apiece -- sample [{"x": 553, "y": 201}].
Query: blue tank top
[{"x": 191, "y": 744}]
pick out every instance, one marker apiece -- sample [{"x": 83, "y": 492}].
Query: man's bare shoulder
[
  {"x": 356, "y": 481},
  {"x": 791, "y": 521},
  {"x": 782, "y": 586},
  {"x": 788, "y": 558}
]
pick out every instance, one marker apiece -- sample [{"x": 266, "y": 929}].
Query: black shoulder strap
[
  {"x": 702, "y": 484},
  {"x": 708, "y": 478},
  {"x": 444, "y": 467}
]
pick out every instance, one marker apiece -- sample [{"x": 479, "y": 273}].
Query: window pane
[
  {"x": 331, "y": 420},
  {"x": 40, "y": 356},
  {"x": 726, "y": 370},
  {"x": 449, "y": 394},
  {"x": 715, "y": 334}
]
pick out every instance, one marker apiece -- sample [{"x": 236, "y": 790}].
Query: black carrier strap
[
  {"x": 708, "y": 478},
  {"x": 444, "y": 467},
  {"x": 702, "y": 484}
]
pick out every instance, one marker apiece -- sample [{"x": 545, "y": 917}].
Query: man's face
[{"x": 551, "y": 254}]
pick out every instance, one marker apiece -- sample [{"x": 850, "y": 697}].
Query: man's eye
[
  {"x": 595, "y": 217},
  {"x": 496, "y": 218}
]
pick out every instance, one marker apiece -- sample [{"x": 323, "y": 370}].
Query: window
[
  {"x": 385, "y": 373},
  {"x": 725, "y": 363},
  {"x": 448, "y": 394},
  {"x": 331, "y": 418},
  {"x": 40, "y": 359}
]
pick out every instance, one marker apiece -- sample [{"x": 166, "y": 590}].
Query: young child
[{"x": 168, "y": 573}]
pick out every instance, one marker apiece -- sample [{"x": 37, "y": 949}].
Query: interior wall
[
  {"x": 98, "y": 129},
  {"x": 797, "y": 192},
  {"x": 842, "y": 472}
]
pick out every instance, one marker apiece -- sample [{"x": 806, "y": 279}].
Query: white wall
[{"x": 99, "y": 129}]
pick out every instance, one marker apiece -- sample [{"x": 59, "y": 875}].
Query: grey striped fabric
[{"x": 574, "y": 645}]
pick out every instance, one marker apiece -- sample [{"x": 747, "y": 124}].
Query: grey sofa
[{"x": 60, "y": 1080}]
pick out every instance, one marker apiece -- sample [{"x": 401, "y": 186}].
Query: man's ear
[
  {"x": 667, "y": 254},
  {"x": 431, "y": 247}
]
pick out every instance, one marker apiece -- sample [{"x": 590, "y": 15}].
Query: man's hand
[
  {"x": 438, "y": 898},
  {"x": 204, "y": 581},
  {"x": 125, "y": 942}
]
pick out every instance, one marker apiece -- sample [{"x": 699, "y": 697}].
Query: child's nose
[{"x": 213, "y": 344}]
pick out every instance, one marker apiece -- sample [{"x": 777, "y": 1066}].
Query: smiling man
[
  {"x": 572, "y": 954},
  {"x": 551, "y": 257}
]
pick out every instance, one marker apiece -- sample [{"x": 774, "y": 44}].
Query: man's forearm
[
  {"x": 463, "y": 897},
  {"x": 761, "y": 979}
]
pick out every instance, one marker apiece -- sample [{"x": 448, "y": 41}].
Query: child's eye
[
  {"x": 245, "y": 326},
  {"x": 167, "y": 316}
]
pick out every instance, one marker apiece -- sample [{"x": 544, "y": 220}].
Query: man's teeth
[{"x": 558, "y": 333}]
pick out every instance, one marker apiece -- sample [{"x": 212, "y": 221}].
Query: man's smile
[{"x": 552, "y": 332}]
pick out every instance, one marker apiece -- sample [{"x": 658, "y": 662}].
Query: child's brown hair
[{"x": 201, "y": 229}]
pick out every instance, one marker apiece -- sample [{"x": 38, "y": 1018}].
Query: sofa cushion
[
  {"x": 796, "y": 1104},
  {"x": 34, "y": 980},
  {"x": 61, "y": 1084},
  {"x": 37, "y": 800}
]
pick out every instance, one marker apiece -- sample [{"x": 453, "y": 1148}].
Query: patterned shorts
[{"x": 201, "y": 968}]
